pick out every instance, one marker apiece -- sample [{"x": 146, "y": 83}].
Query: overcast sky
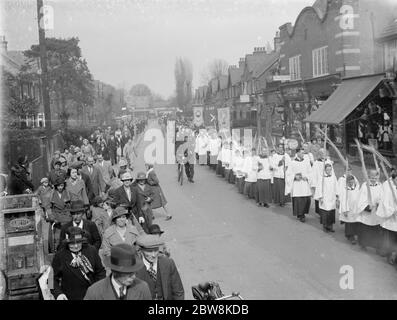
[{"x": 137, "y": 41}]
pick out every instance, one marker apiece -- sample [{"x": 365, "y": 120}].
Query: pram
[{"x": 212, "y": 291}]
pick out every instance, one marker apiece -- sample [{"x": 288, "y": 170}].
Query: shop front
[
  {"x": 296, "y": 107},
  {"x": 361, "y": 107}
]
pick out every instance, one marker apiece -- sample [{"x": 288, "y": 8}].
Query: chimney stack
[
  {"x": 3, "y": 44},
  {"x": 241, "y": 62},
  {"x": 259, "y": 50},
  {"x": 277, "y": 42}
]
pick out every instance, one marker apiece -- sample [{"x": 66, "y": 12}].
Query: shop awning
[{"x": 348, "y": 96}]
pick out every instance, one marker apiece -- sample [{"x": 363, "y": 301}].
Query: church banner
[
  {"x": 198, "y": 119},
  {"x": 210, "y": 114},
  {"x": 224, "y": 118}
]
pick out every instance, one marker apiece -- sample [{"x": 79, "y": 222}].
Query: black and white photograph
[{"x": 198, "y": 150}]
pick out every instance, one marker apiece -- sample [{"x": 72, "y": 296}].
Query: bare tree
[
  {"x": 214, "y": 69},
  {"x": 183, "y": 82}
]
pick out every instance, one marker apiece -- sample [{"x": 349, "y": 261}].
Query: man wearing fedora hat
[
  {"x": 76, "y": 266},
  {"x": 159, "y": 272},
  {"x": 77, "y": 210},
  {"x": 155, "y": 229},
  {"x": 122, "y": 283},
  {"x": 127, "y": 196}
]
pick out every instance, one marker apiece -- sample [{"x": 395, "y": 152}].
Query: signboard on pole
[
  {"x": 210, "y": 116},
  {"x": 198, "y": 119}
]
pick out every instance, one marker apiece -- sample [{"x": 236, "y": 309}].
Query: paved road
[{"x": 217, "y": 234}]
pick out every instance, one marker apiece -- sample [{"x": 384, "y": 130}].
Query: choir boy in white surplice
[
  {"x": 387, "y": 211},
  {"x": 214, "y": 144},
  {"x": 238, "y": 170},
  {"x": 280, "y": 163},
  {"x": 298, "y": 184},
  {"x": 250, "y": 170},
  {"x": 219, "y": 166},
  {"x": 318, "y": 170},
  {"x": 263, "y": 184},
  {"x": 326, "y": 194},
  {"x": 307, "y": 155},
  {"x": 202, "y": 146},
  {"x": 368, "y": 228},
  {"x": 227, "y": 158},
  {"x": 348, "y": 192}
]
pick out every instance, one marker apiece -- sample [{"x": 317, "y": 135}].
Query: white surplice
[
  {"x": 387, "y": 209},
  {"x": 365, "y": 217}
]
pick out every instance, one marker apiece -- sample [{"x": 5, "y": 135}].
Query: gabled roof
[
  {"x": 271, "y": 59},
  {"x": 223, "y": 82},
  {"x": 253, "y": 61},
  {"x": 235, "y": 75}
]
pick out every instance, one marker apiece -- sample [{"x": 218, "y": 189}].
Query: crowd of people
[
  {"x": 99, "y": 216},
  {"x": 275, "y": 176}
]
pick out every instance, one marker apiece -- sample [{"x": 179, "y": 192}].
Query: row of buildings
[
  {"x": 335, "y": 67},
  {"x": 108, "y": 101}
]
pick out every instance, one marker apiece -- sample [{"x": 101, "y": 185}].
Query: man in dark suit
[
  {"x": 127, "y": 196},
  {"x": 159, "y": 272},
  {"x": 77, "y": 211},
  {"x": 122, "y": 284},
  {"x": 97, "y": 182}
]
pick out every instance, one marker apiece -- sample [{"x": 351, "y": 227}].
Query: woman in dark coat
[
  {"x": 159, "y": 200},
  {"x": 76, "y": 267}
]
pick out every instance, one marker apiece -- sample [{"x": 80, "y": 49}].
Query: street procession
[{"x": 147, "y": 166}]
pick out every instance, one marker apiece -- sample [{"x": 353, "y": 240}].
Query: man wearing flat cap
[
  {"x": 159, "y": 272},
  {"x": 127, "y": 196},
  {"x": 122, "y": 283},
  {"x": 77, "y": 210}
]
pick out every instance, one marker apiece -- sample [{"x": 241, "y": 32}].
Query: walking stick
[
  {"x": 365, "y": 173},
  {"x": 389, "y": 182},
  {"x": 325, "y": 158}
]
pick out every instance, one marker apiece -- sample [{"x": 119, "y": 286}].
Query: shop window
[
  {"x": 374, "y": 123},
  {"x": 295, "y": 67},
  {"x": 390, "y": 54},
  {"x": 320, "y": 61}
]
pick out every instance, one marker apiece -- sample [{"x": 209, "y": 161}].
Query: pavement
[{"x": 217, "y": 234}]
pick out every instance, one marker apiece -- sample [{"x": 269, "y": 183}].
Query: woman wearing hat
[
  {"x": 122, "y": 283},
  {"x": 87, "y": 149},
  {"x": 145, "y": 198},
  {"x": 102, "y": 213},
  {"x": 76, "y": 187},
  {"x": 76, "y": 267},
  {"x": 121, "y": 230},
  {"x": 159, "y": 200},
  {"x": 59, "y": 214}
]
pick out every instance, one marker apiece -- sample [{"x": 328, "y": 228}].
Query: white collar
[
  {"x": 117, "y": 286},
  {"x": 147, "y": 263},
  {"x": 80, "y": 224}
]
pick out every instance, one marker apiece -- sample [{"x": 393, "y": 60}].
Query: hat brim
[
  {"x": 77, "y": 210},
  {"x": 121, "y": 214},
  {"x": 123, "y": 269}
]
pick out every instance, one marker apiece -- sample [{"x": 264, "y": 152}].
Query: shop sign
[{"x": 244, "y": 98}]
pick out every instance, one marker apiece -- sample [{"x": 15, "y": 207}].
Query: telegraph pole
[{"x": 44, "y": 70}]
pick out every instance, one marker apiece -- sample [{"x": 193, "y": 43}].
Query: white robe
[
  {"x": 318, "y": 171},
  {"x": 299, "y": 188},
  {"x": 279, "y": 170},
  {"x": 329, "y": 195},
  {"x": 201, "y": 145},
  {"x": 387, "y": 209},
  {"x": 238, "y": 167},
  {"x": 265, "y": 173},
  {"x": 226, "y": 157},
  {"x": 365, "y": 217},
  {"x": 214, "y": 146},
  {"x": 250, "y": 168},
  {"x": 309, "y": 157},
  {"x": 347, "y": 201}
]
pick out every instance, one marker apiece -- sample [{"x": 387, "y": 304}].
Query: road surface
[{"x": 217, "y": 234}]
